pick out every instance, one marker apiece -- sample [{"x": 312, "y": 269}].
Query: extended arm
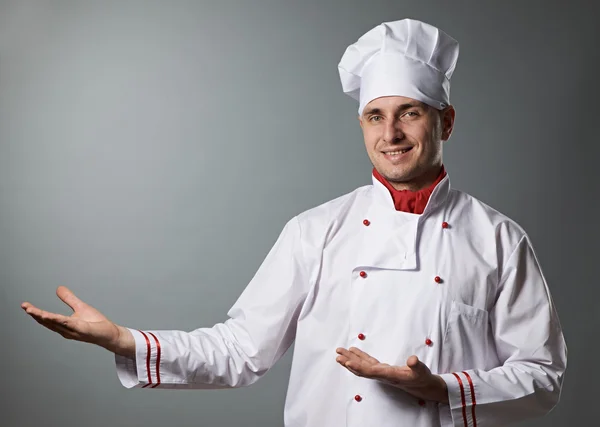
[{"x": 234, "y": 353}]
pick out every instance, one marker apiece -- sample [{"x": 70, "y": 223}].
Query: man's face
[{"x": 404, "y": 139}]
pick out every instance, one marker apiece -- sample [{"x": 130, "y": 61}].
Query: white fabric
[
  {"x": 490, "y": 319},
  {"x": 402, "y": 58}
]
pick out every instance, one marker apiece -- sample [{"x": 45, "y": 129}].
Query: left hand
[{"x": 414, "y": 378}]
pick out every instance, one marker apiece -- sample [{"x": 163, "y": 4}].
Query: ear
[
  {"x": 360, "y": 121},
  {"x": 448, "y": 115}
]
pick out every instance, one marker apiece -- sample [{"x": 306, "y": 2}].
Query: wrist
[
  {"x": 441, "y": 394},
  {"x": 124, "y": 343}
]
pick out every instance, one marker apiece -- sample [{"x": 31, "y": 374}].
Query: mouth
[{"x": 396, "y": 154}]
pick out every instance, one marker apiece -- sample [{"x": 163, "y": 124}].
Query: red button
[
  {"x": 363, "y": 274},
  {"x": 444, "y": 224},
  {"x": 428, "y": 342},
  {"x": 421, "y": 402},
  {"x": 361, "y": 336},
  {"x": 357, "y": 398},
  {"x": 438, "y": 279},
  {"x": 366, "y": 222}
]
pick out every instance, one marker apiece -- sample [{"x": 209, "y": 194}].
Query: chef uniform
[{"x": 434, "y": 273}]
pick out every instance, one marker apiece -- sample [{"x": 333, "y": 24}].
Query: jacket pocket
[
  {"x": 472, "y": 314},
  {"x": 466, "y": 340}
]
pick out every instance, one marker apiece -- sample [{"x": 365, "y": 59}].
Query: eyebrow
[{"x": 400, "y": 108}]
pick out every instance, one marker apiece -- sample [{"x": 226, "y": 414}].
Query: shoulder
[
  {"x": 317, "y": 221},
  {"x": 485, "y": 222},
  {"x": 334, "y": 208}
]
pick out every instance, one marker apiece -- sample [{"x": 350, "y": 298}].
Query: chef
[{"x": 410, "y": 303}]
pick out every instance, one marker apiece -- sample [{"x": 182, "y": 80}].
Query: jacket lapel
[{"x": 390, "y": 240}]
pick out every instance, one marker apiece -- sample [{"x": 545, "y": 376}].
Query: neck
[
  {"x": 419, "y": 183},
  {"x": 414, "y": 201}
]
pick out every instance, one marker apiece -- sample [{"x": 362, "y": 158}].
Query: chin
[
  {"x": 399, "y": 179},
  {"x": 397, "y": 176}
]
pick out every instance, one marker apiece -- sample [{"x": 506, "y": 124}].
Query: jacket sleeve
[
  {"x": 529, "y": 345},
  {"x": 235, "y": 353}
]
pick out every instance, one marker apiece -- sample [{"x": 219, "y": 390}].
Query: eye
[
  {"x": 411, "y": 114},
  {"x": 375, "y": 118}
]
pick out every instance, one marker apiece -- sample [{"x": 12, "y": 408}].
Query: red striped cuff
[
  {"x": 473, "y": 401},
  {"x": 151, "y": 373},
  {"x": 461, "y": 394}
]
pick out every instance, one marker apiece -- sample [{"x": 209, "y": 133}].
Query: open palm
[
  {"x": 85, "y": 324},
  {"x": 415, "y": 377}
]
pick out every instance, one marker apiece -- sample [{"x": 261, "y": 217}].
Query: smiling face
[{"x": 404, "y": 139}]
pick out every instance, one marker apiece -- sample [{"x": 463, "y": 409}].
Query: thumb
[
  {"x": 415, "y": 364},
  {"x": 417, "y": 367},
  {"x": 69, "y": 298}
]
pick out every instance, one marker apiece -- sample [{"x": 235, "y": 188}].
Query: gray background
[{"x": 151, "y": 152}]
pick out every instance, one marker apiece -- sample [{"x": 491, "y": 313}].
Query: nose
[{"x": 393, "y": 132}]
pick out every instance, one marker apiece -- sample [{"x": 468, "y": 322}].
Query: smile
[
  {"x": 393, "y": 153},
  {"x": 397, "y": 152}
]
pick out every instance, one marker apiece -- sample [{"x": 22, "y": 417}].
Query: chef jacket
[{"x": 458, "y": 285}]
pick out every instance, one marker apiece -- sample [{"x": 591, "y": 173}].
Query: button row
[
  {"x": 366, "y": 222},
  {"x": 428, "y": 341},
  {"x": 436, "y": 279},
  {"x": 359, "y": 398},
  {"x": 363, "y": 337}
]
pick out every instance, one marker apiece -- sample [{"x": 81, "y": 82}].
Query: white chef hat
[{"x": 402, "y": 58}]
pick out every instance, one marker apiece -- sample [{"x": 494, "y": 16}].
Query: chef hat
[{"x": 402, "y": 58}]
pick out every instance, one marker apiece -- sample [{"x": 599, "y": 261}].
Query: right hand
[{"x": 86, "y": 324}]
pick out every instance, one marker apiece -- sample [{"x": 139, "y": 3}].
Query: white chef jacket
[{"x": 458, "y": 285}]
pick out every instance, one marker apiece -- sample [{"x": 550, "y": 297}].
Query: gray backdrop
[{"x": 151, "y": 152}]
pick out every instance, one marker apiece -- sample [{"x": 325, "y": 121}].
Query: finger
[
  {"x": 348, "y": 365},
  {"x": 385, "y": 372},
  {"x": 415, "y": 365},
  {"x": 61, "y": 330},
  {"x": 69, "y": 298},
  {"x": 343, "y": 360},
  {"x": 49, "y": 325},
  {"x": 42, "y": 315},
  {"x": 363, "y": 355},
  {"x": 27, "y": 305},
  {"x": 347, "y": 358},
  {"x": 355, "y": 372},
  {"x": 359, "y": 367},
  {"x": 412, "y": 362},
  {"x": 348, "y": 355},
  {"x": 418, "y": 368},
  {"x": 32, "y": 310}
]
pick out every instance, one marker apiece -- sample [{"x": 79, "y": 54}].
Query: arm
[
  {"x": 529, "y": 344},
  {"x": 234, "y": 353}
]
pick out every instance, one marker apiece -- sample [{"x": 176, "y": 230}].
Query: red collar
[{"x": 410, "y": 201}]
